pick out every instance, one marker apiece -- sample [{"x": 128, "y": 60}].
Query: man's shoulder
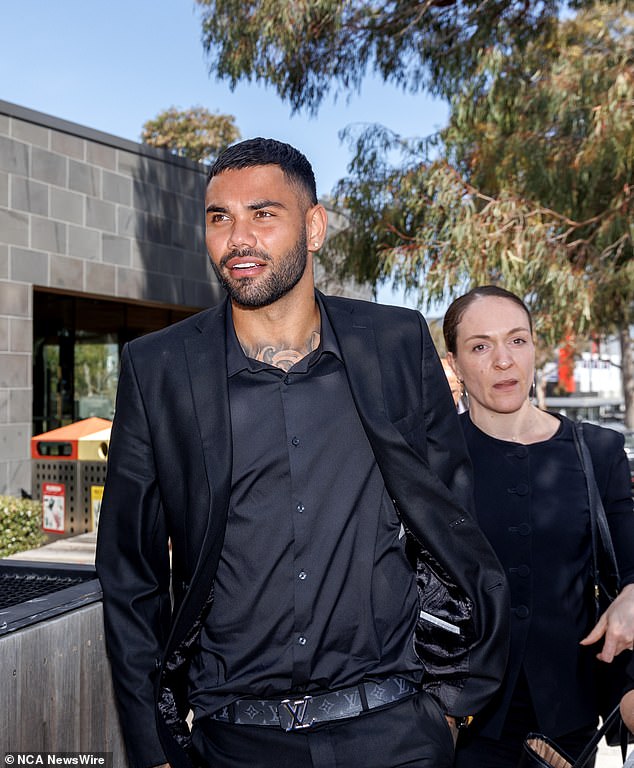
[
  {"x": 174, "y": 334},
  {"x": 371, "y": 308}
]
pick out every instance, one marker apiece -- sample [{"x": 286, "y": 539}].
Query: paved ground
[
  {"x": 74, "y": 549},
  {"x": 610, "y": 757}
]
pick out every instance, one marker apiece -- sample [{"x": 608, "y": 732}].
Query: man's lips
[{"x": 244, "y": 265}]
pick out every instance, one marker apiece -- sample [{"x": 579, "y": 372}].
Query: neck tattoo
[{"x": 281, "y": 355}]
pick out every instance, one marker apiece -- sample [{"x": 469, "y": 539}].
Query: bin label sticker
[
  {"x": 96, "y": 495},
  {"x": 53, "y": 507}
]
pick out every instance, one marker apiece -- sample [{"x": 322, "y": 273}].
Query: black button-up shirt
[{"x": 313, "y": 590}]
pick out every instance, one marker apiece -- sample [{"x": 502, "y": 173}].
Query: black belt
[{"x": 301, "y": 712}]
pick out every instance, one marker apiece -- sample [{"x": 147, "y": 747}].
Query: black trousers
[{"x": 412, "y": 733}]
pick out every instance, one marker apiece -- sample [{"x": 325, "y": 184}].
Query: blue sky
[{"x": 113, "y": 65}]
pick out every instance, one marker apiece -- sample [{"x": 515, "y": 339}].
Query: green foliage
[
  {"x": 554, "y": 127},
  {"x": 533, "y": 188},
  {"x": 93, "y": 373},
  {"x": 20, "y": 525},
  {"x": 435, "y": 234},
  {"x": 195, "y": 133},
  {"x": 305, "y": 48}
]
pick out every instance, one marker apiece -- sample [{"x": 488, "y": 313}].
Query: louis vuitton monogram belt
[{"x": 303, "y": 711}]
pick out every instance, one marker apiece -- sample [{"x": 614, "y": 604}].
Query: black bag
[
  {"x": 610, "y": 677},
  {"x": 540, "y": 752}
]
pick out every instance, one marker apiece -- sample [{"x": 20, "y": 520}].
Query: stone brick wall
[{"x": 86, "y": 212}]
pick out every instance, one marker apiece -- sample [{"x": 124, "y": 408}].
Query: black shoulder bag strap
[
  {"x": 599, "y": 528},
  {"x": 591, "y": 746}
]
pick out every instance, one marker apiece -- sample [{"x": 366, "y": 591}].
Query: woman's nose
[{"x": 503, "y": 361}]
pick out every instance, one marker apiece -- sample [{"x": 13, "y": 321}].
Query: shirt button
[
  {"x": 300, "y": 507},
  {"x": 302, "y": 640},
  {"x": 295, "y": 441},
  {"x": 521, "y": 612},
  {"x": 521, "y": 489},
  {"x": 287, "y": 379},
  {"x": 302, "y": 575},
  {"x": 523, "y": 530}
]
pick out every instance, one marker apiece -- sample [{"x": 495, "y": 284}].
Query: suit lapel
[
  {"x": 207, "y": 368},
  {"x": 355, "y": 335},
  {"x": 405, "y": 470},
  {"x": 357, "y": 339}
]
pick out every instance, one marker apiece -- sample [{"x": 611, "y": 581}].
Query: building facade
[{"x": 101, "y": 240}]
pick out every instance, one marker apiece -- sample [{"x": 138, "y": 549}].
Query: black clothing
[
  {"x": 169, "y": 483},
  {"x": 532, "y": 504},
  {"x": 310, "y": 528}
]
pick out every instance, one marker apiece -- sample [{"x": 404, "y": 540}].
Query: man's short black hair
[{"x": 259, "y": 151}]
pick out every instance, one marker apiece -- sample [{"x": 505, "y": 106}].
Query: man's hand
[{"x": 617, "y": 624}]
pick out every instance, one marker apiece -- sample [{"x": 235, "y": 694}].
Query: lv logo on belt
[{"x": 292, "y": 713}]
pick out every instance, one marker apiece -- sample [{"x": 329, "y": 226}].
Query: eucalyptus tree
[{"x": 195, "y": 133}]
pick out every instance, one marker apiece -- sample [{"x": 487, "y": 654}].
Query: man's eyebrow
[
  {"x": 256, "y": 205},
  {"x": 217, "y": 208}
]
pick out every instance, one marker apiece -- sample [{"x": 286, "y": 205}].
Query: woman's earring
[{"x": 463, "y": 402}]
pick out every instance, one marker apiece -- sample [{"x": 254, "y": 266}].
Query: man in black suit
[{"x": 329, "y": 599}]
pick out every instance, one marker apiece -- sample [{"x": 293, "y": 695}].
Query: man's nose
[{"x": 242, "y": 236}]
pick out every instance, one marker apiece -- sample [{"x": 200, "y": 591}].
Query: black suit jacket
[{"x": 169, "y": 477}]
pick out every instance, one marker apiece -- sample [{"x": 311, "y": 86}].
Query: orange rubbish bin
[{"x": 68, "y": 474}]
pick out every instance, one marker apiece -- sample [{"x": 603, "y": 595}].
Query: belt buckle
[{"x": 292, "y": 713}]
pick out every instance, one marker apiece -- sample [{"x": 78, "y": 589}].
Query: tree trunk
[{"x": 627, "y": 374}]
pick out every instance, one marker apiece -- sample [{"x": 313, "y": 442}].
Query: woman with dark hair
[{"x": 532, "y": 503}]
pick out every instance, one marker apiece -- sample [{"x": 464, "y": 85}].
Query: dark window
[{"x": 77, "y": 342}]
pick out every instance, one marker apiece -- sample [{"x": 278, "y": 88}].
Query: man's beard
[{"x": 260, "y": 292}]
